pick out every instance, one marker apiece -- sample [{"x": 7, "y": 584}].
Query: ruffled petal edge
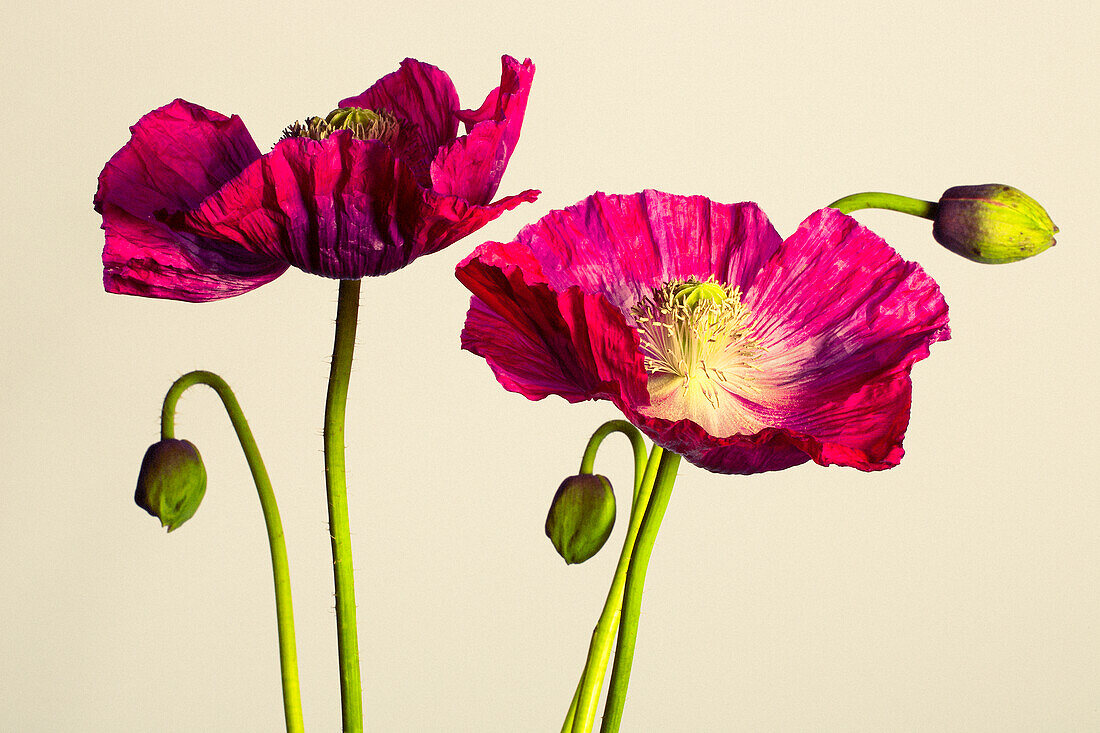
[
  {"x": 421, "y": 95},
  {"x": 176, "y": 156},
  {"x": 472, "y": 166},
  {"x": 540, "y": 342},
  {"x": 861, "y": 426},
  {"x": 340, "y": 207}
]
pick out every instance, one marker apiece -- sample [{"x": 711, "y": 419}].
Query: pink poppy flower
[
  {"x": 193, "y": 211},
  {"x": 739, "y": 350}
]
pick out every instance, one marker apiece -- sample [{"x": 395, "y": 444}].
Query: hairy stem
[
  {"x": 347, "y": 634},
  {"x": 284, "y": 609}
]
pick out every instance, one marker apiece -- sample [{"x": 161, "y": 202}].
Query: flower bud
[
  {"x": 581, "y": 517},
  {"x": 172, "y": 482},
  {"x": 992, "y": 223}
]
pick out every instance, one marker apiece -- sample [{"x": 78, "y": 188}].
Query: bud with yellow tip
[{"x": 992, "y": 223}]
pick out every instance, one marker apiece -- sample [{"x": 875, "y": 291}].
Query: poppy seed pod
[
  {"x": 992, "y": 224},
  {"x": 172, "y": 482},
  {"x": 581, "y": 517}
]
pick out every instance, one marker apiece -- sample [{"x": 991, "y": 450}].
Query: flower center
[
  {"x": 699, "y": 353},
  {"x": 365, "y": 124}
]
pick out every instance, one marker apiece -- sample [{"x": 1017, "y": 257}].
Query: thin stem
[
  {"x": 632, "y": 597},
  {"x": 582, "y": 711},
  {"x": 280, "y": 568},
  {"x": 351, "y": 690},
  {"x": 891, "y": 201},
  {"x": 588, "y": 460}
]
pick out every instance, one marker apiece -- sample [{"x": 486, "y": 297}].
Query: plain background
[{"x": 956, "y": 592}]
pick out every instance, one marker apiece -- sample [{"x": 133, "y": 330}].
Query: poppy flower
[
  {"x": 192, "y": 210},
  {"x": 739, "y": 350}
]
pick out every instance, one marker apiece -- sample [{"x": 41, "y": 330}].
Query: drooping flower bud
[
  {"x": 581, "y": 517},
  {"x": 992, "y": 223},
  {"x": 171, "y": 482}
]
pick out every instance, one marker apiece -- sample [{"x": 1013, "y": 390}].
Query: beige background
[{"x": 957, "y": 592}]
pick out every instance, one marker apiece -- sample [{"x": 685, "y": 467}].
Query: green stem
[
  {"x": 582, "y": 711},
  {"x": 635, "y": 583},
  {"x": 588, "y": 460},
  {"x": 891, "y": 201},
  {"x": 280, "y": 568},
  {"x": 351, "y": 691}
]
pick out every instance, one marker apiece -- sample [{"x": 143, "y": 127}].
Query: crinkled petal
[
  {"x": 177, "y": 155},
  {"x": 541, "y": 342},
  {"x": 447, "y": 219},
  {"x": 424, "y": 98},
  {"x": 863, "y": 430},
  {"x": 147, "y": 258},
  {"x": 837, "y": 306},
  {"x": 771, "y": 449},
  {"x": 341, "y": 208},
  {"x": 841, "y": 316},
  {"x": 616, "y": 247},
  {"x": 471, "y": 167},
  {"x": 625, "y": 245}
]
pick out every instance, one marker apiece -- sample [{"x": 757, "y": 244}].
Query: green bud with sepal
[
  {"x": 581, "y": 517},
  {"x": 992, "y": 224},
  {"x": 172, "y": 482}
]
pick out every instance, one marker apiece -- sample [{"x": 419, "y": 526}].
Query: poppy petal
[
  {"x": 447, "y": 219},
  {"x": 834, "y": 317},
  {"x": 624, "y": 246},
  {"x": 541, "y": 342},
  {"x": 422, "y": 96},
  {"x": 863, "y": 430},
  {"x": 836, "y": 306},
  {"x": 177, "y": 155},
  {"x": 770, "y": 449},
  {"x": 341, "y": 208},
  {"x": 471, "y": 167},
  {"x": 193, "y": 211}
]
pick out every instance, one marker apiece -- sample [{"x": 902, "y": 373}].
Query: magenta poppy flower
[
  {"x": 739, "y": 350},
  {"x": 193, "y": 211}
]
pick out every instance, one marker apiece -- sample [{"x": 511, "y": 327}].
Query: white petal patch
[{"x": 701, "y": 357}]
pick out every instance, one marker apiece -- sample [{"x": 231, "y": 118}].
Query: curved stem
[
  {"x": 347, "y": 635},
  {"x": 635, "y": 583},
  {"x": 284, "y": 610},
  {"x": 891, "y": 201},
  {"x": 588, "y": 460},
  {"x": 582, "y": 711}
]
